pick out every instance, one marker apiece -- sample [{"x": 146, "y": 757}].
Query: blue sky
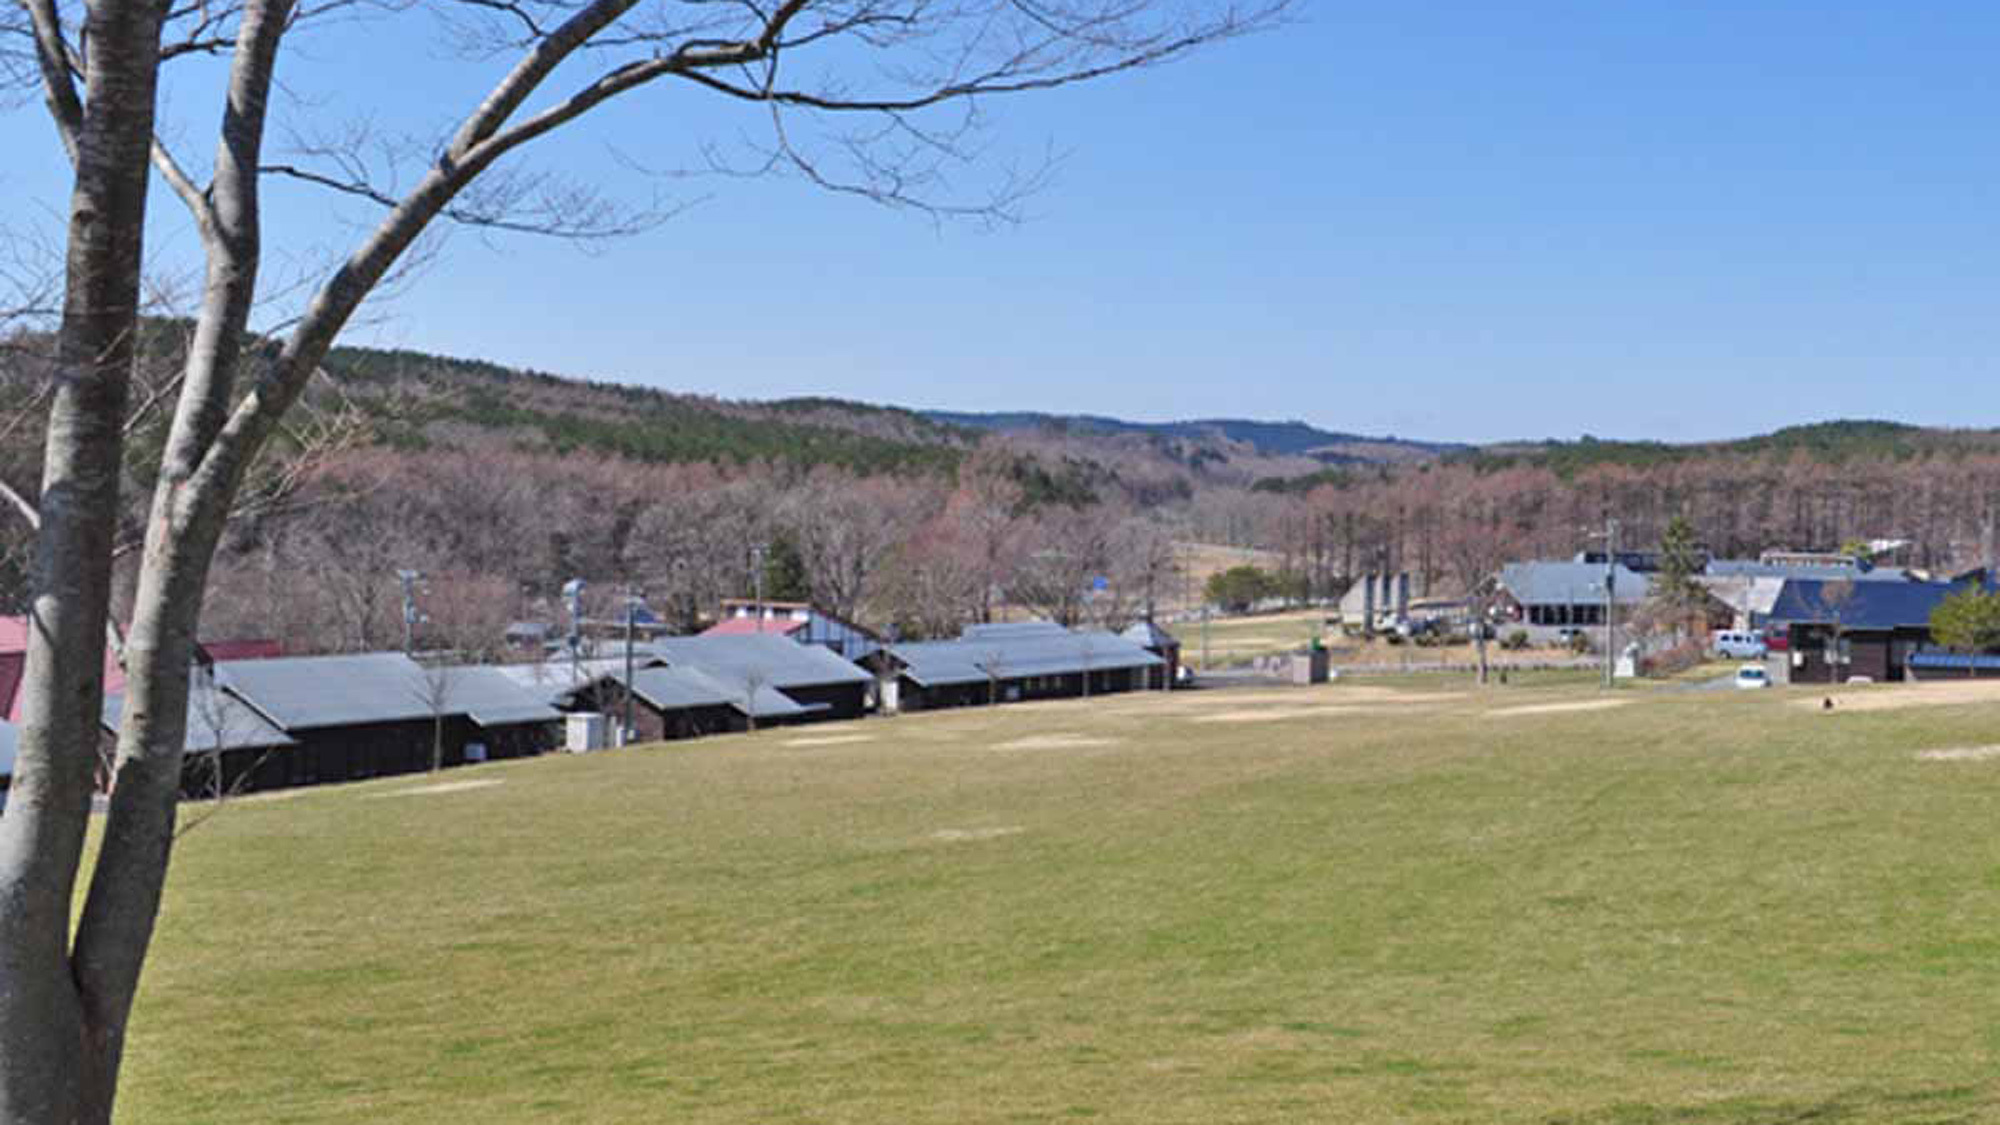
[{"x": 1449, "y": 220}]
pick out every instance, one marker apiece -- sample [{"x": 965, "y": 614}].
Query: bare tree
[
  {"x": 64, "y": 1011},
  {"x": 754, "y": 680},
  {"x": 433, "y": 690},
  {"x": 846, "y": 530}
]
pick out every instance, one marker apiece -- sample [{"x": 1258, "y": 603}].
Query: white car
[
  {"x": 1750, "y": 677},
  {"x": 1742, "y": 646}
]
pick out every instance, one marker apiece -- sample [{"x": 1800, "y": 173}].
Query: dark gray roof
[
  {"x": 989, "y": 652},
  {"x": 771, "y": 660},
  {"x": 1862, "y": 605},
  {"x": 491, "y": 698},
  {"x": 309, "y": 692},
  {"x": 556, "y": 679},
  {"x": 675, "y": 688},
  {"x": 941, "y": 663},
  {"x": 305, "y": 692},
  {"x": 10, "y": 740},
  {"x": 216, "y": 720},
  {"x": 1546, "y": 582}
]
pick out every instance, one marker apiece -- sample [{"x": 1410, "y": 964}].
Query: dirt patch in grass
[
  {"x": 1274, "y": 714},
  {"x": 1890, "y": 697},
  {"x": 961, "y": 835},
  {"x": 1560, "y": 708},
  {"x": 1961, "y": 754},
  {"x": 441, "y": 787},
  {"x": 1055, "y": 742},
  {"x": 830, "y": 740}
]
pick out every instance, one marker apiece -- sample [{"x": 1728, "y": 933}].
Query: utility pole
[
  {"x": 633, "y": 600},
  {"x": 757, "y": 579},
  {"x": 1610, "y": 598}
]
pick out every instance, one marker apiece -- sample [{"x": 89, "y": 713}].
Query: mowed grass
[
  {"x": 1350, "y": 903},
  {"x": 1233, "y": 640}
]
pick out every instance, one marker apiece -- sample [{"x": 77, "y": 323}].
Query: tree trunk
[{"x": 61, "y": 1021}]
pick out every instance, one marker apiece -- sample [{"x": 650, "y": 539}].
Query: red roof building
[{"x": 14, "y": 659}]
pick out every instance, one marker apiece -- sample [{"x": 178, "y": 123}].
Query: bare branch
[{"x": 52, "y": 59}]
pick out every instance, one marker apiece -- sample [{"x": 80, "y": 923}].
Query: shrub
[{"x": 1515, "y": 641}]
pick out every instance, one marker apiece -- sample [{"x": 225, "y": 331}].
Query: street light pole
[
  {"x": 572, "y": 592},
  {"x": 409, "y": 579}
]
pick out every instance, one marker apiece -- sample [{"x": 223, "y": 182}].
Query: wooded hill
[{"x": 502, "y": 484}]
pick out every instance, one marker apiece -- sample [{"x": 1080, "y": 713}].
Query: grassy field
[{"x": 1396, "y": 902}]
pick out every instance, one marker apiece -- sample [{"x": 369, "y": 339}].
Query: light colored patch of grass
[
  {"x": 1056, "y": 741},
  {"x": 1697, "y": 907},
  {"x": 1558, "y": 708}
]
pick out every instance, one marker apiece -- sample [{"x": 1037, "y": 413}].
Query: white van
[{"x": 1738, "y": 646}]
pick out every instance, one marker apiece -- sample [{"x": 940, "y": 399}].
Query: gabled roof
[
  {"x": 1546, "y": 582},
  {"x": 306, "y": 692},
  {"x": 670, "y": 689},
  {"x": 216, "y": 720},
  {"x": 491, "y": 698},
  {"x": 940, "y": 663},
  {"x": 556, "y": 679},
  {"x": 989, "y": 652},
  {"x": 1861, "y": 605},
  {"x": 309, "y": 692},
  {"x": 1146, "y": 634},
  {"x": 768, "y": 659}
]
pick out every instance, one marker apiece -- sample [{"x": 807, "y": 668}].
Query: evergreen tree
[
  {"x": 1676, "y": 594},
  {"x": 1968, "y": 622}
]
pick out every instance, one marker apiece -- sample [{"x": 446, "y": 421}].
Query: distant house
[
  {"x": 825, "y": 685},
  {"x": 1376, "y": 602},
  {"x": 798, "y": 621},
  {"x": 689, "y": 686},
  {"x": 1552, "y": 599},
  {"x": 1881, "y": 626},
  {"x": 229, "y": 747},
  {"x": 376, "y": 714},
  {"x": 1162, "y": 644},
  {"x": 14, "y": 659},
  {"x": 1750, "y": 587},
  {"x": 1012, "y": 662},
  {"x": 13, "y": 662}
]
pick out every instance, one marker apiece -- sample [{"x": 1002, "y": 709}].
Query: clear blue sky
[{"x": 1458, "y": 220}]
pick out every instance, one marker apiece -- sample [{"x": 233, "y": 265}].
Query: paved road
[{"x": 1726, "y": 682}]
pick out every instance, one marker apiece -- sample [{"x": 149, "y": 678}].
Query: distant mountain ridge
[{"x": 1277, "y": 439}]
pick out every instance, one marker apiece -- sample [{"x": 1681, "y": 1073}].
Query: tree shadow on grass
[{"x": 1947, "y": 1105}]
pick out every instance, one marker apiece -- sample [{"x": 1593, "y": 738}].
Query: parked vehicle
[
  {"x": 1778, "y": 638},
  {"x": 1750, "y": 677},
  {"x": 1738, "y": 646}
]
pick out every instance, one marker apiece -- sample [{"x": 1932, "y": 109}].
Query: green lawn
[{"x": 1352, "y": 903}]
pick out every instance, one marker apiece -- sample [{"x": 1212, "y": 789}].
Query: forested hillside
[{"x": 501, "y": 484}]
